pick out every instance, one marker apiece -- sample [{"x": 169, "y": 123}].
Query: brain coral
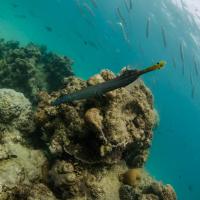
[
  {"x": 15, "y": 111},
  {"x": 20, "y": 163},
  {"x": 100, "y": 130}
]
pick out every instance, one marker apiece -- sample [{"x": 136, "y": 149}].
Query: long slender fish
[
  {"x": 87, "y": 7},
  {"x": 148, "y": 27},
  {"x": 182, "y": 58},
  {"x": 191, "y": 79},
  {"x": 123, "y": 80},
  {"x": 127, "y": 5},
  {"x": 196, "y": 66},
  {"x": 164, "y": 37},
  {"x": 78, "y": 4},
  {"x": 122, "y": 19},
  {"x": 181, "y": 52},
  {"x": 125, "y": 35},
  {"x": 94, "y": 3},
  {"x": 131, "y": 4}
]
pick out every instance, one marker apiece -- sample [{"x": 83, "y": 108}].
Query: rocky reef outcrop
[
  {"x": 31, "y": 69},
  {"x": 99, "y": 146},
  {"x": 20, "y": 163},
  {"x": 91, "y": 149},
  {"x": 104, "y": 130}
]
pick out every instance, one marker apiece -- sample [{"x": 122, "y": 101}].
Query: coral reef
[
  {"x": 93, "y": 141},
  {"x": 19, "y": 162},
  {"x": 15, "y": 111},
  {"x": 31, "y": 69},
  {"x": 91, "y": 149},
  {"x": 101, "y": 130}
]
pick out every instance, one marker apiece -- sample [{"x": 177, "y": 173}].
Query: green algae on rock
[{"x": 31, "y": 69}]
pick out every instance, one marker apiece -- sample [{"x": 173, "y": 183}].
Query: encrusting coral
[{"x": 31, "y": 69}]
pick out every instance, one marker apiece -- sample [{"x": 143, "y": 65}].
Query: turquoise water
[{"x": 95, "y": 40}]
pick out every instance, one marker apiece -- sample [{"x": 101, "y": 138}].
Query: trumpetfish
[{"x": 123, "y": 80}]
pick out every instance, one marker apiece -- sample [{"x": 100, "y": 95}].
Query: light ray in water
[
  {"x": 148, "y": 27},
  {"x": 164, "y": 37}
]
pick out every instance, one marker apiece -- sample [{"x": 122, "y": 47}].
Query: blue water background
[{"x": 97, "y": 42}]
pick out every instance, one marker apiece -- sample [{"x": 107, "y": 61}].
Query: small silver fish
[
  {"x": 122, "y": 19},
  {"x": 78, "y": 4},
  {"x": 94, "y": 3},
  {"x": 164, "y": 37},
  {"x": 183, "y": 68},
  {"x": 87, "y": 7},
  {"x": 148, "y": 27},
  {"x": 92, "y": 44},
  {"x": 191, "y": 79},
  {"x": 195, "y": 66},
  {"x": 181, "y": 52},
  {"x": 126, "y": 5},
  {"x": 123, "y": 32},
  {"x": 131, "y": 4},
  {"x": 182, "y": 58}
]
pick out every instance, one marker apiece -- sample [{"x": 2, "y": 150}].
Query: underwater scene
[{"x": 99, "y": 99}]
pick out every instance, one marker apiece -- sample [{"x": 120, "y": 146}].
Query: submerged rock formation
[
  {"x": 94, "y": 142},
  {"x": 31, "y": 69},
  {"x": 117, "y": 126}
]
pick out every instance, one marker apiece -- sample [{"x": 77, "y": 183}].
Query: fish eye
[{"x": 158, "y": 63}]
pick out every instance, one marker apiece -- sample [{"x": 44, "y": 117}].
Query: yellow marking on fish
[
  {"x": 161, "y": 64},
  {"x": 158, "y": 65}
]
